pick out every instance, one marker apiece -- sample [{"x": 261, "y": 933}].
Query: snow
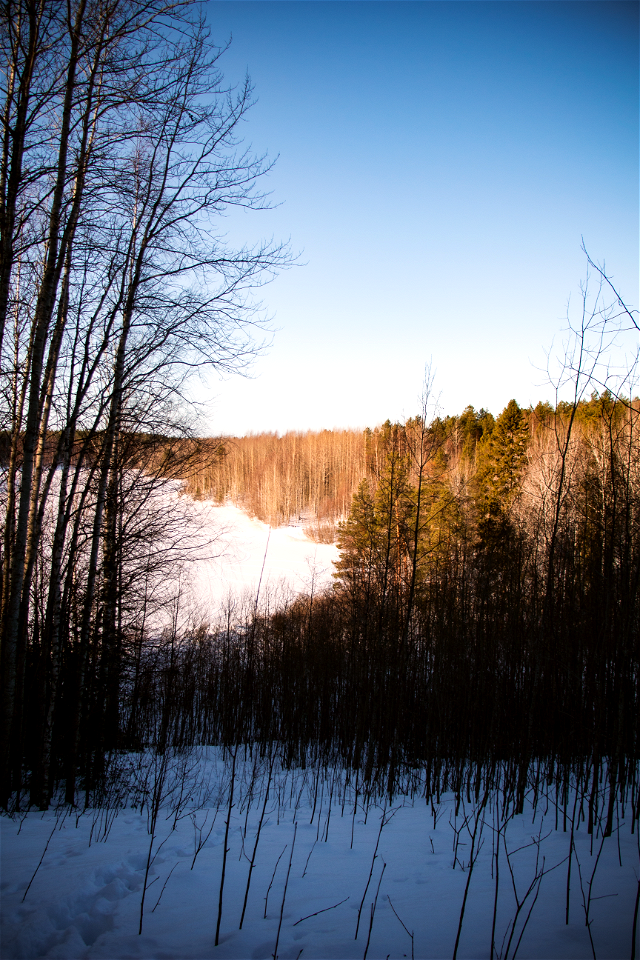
[
  {"x": 242, "y": 546},
  {"x": 72, "y": 881},
  {"x": 219, "y": 561},
  {"x": 84, "y": 900}
]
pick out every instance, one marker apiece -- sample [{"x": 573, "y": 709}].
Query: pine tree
[
  {"x": 501, "y": 456},
  {"x": 375, "y": 540},
  {"x": 358, "y": 540}
]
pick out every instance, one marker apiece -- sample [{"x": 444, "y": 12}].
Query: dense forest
[{"x": 486, "y": 599}]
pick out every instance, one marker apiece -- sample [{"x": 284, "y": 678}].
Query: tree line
[{"x": 297, "y": 477}]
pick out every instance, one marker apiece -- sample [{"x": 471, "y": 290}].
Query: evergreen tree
[
  {"x": 470, "y": 427},
  {"x": 375, "y": 540},
  {"x": 501, "y": 457},
  {"x": 358, "y": 540}
]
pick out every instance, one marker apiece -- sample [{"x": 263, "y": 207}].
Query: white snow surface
[
  {"x": 68, "y": 893},
  {"x": 239, "y": 558}
]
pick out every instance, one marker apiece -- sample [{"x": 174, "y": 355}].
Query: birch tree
[{"x": 120, "y": 152}]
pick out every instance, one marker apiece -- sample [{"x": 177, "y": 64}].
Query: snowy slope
[
  {"x": 87, "y": 871},
  {"x": 224, "y": 560},
  {"x": 85, "y": 898},
  {"x": 242, "y": 546}
]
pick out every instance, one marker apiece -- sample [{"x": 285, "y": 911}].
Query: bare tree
[{"x": 121, "y": 150}]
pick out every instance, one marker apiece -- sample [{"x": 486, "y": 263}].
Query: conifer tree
[
  {"x": 502, "y": 455},
  {"x": 358, "y": 541},
  {"x": 375, "y": 539}
]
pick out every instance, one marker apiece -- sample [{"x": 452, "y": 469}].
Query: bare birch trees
[{"x": 119, "y": 150}]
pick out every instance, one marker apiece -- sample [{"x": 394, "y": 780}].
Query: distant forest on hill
[{"x": 478, "y": 463}]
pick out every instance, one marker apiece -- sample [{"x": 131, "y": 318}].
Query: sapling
[
  {"x": 320, "y": 810},
  {"x": 33, "y": 876},
  {"x": 284, "y": 894},
  {"x": 571, "y": 849},
  {"x": 187, "y": 777},
  {"x": 273, "y": 875},
  {"x": 225, "y": 848},
  {"x": 587, "y": 895},
  {"x": 164, "y": 886},
  {"x": 112, "y": 800},
  {"x": 373, "y": 910},
  {"x": 298, "y": 800},
  {"x": 476, "y": 846},
  {"x": 198, "y": 842},
  {"x": 534, "y": 885},
  {"x": 26, "y": 814},
  {"x": 355, "y": 807},
  {"x": 316, "y": 780},
  {"x": 456, "y": 839},
  {"x": 157, "y": 797},
  {"x": 496, "y": 877},
  {"x": 499, "y": 831},
  {"x": 410, "y": 934},
  {"x": 255, "y": 846},
  {"x": 384, "y": 820},
  {"x": 326, "y": 831}
]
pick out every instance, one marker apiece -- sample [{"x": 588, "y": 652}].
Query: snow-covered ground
[
  {"x": 72, "y": 884},
  {"x": 232, "y": 568},
  {"x": 67, "y": 893},
  {"x": 218, "y": 561}
]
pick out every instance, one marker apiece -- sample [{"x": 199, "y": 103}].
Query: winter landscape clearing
[
  {"x": 240, "y": 555},
  {"x": 324, "y": 858},
  {"x": 331, "y": 651}
]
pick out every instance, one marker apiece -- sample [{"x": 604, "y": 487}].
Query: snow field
[
  {"x": 239, "y": 558},
  {"x": 84, "y": 900}
]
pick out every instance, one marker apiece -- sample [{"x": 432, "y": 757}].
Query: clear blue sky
[{"x": 438, "y": 164}]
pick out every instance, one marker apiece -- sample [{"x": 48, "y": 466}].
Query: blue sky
[{"x": 438, "y": 164}]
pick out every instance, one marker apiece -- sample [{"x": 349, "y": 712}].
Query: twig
[
  {"x": 308, "y": 858},
  {"x": 373, "y": 911},
  {"x": 324, "y": 910},
  {"x": 405, "y": 928},
  {"x": 39, "y": 862},
  {"x": 164, "y": 885},
  {"x": 284, "y": 895},
  {"x": 266, "y": 899},
  {"x": 198, "y": 844}
]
